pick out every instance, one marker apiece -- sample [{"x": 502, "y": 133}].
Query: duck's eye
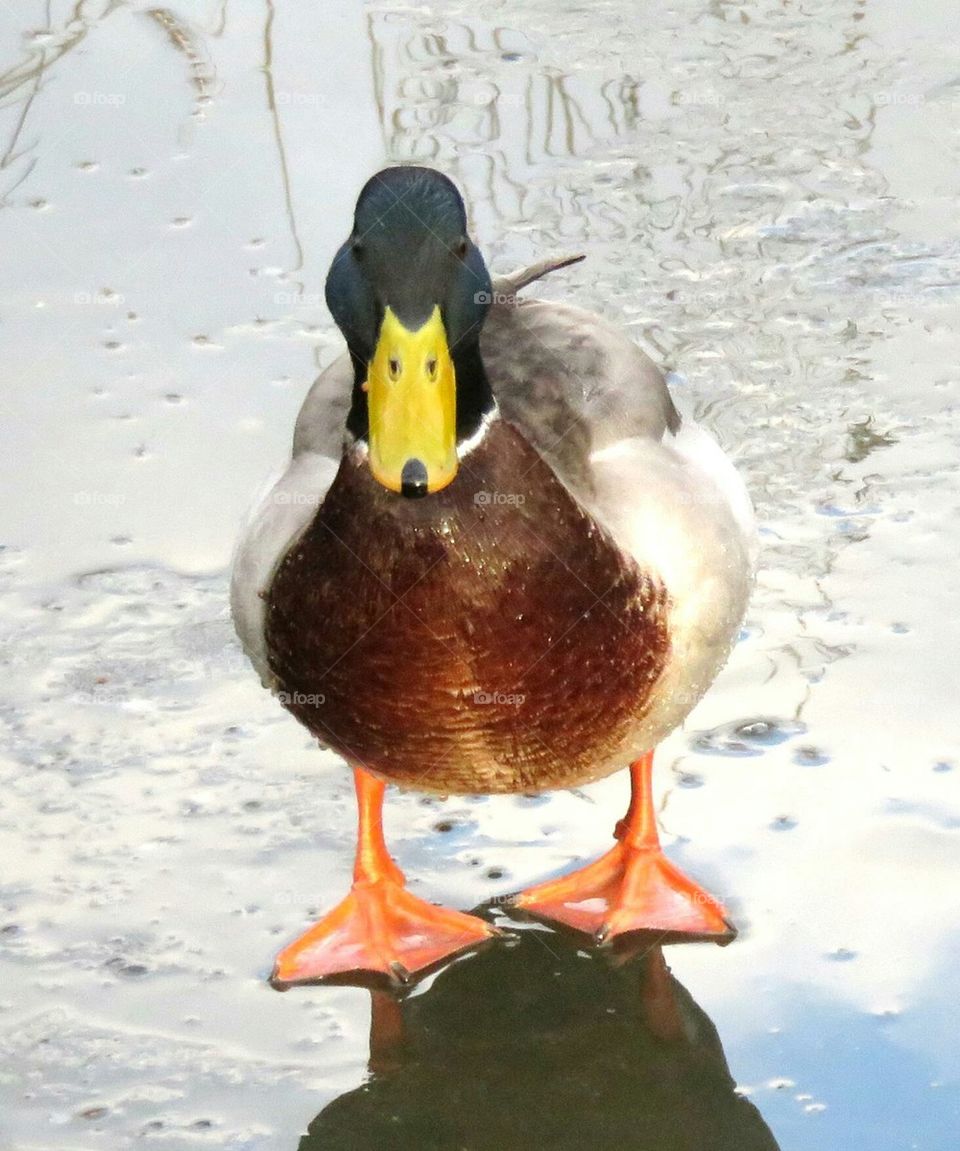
[
  {"x": 461, "y": 248},
  {"x": 357, "y": 247},
  {"x": 431, "y": 367},
  {"x": 393, "y": 366}
]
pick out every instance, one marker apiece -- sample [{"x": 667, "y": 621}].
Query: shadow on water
[{"x": 541, "y": 1044}]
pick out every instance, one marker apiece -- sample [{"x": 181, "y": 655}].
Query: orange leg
[
  {"x": 380, "y": 927},
  {"x": 634, "y": 887}
]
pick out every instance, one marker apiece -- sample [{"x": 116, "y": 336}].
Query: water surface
[{"x": 767, "y": 197}]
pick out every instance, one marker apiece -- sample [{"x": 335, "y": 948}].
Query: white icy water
[{"x": 767, "y": 196}]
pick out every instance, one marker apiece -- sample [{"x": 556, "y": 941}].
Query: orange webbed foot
[
  {"x": 629, "y": 889},
  {"x": 379, "y": 929},
  {"x": 633, "y": 887}
]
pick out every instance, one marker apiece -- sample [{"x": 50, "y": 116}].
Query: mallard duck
[{"x": 499, "y": 562}]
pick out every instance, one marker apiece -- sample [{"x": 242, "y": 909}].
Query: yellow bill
[{"x": 412, "y": 405}]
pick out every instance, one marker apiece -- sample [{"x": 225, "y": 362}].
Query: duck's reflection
[{"x": 541, "y": 1045}]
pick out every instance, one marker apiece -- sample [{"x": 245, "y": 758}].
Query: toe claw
[{"x": 398, "y": 973}]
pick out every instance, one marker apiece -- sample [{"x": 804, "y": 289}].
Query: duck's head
[{"x": 410, "y": 291}]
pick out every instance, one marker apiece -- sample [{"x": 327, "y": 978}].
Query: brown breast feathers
[{"x": 488, "y": 638}]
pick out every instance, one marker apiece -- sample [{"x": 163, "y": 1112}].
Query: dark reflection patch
[{"x": 539, "y": 1046}]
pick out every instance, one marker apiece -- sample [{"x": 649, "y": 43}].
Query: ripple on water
[
  {"x": 747, "y": 737},
  {"x": 810, "y": 756}
]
